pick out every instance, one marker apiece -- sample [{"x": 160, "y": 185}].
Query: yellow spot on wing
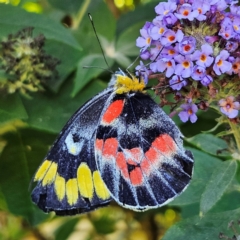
[
  {"x": 72, "y": 191},
  {"x": 124, "y": 84},
  {"x": 42, "y": 170},
  {"x": 85, "y": 183},
  {"x": 100, "y": 188},
  {"x": 60, "y": 187},
  {"x": 50, "y": 174}
]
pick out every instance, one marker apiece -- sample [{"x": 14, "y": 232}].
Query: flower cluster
[
  {"x": 195, "y": 45},
  {"x": 25, "y": 66}
]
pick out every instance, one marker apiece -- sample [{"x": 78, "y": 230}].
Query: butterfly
[{"x": 120, "y": 145}]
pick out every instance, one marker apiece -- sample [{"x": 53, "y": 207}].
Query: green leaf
[
  {"x": 122, "y": 60},
  {"x": 142, "y": 13},
  {"x": 207, "y": 227},
  {"x": 69, "y": 6},
  {"x": 68, "y": 57},
  {"x": 51, "y": 112},
  {"x": 20, "y": 158},
  {"x": 217, "y": 185},
  {"x": 104, "y": 22},
  {"x": 11, "y": 107},
  {"x": 66, "y": 229},
  {"x": 230, "y": 196},
  {"x": 126, "y": 43},
  {"x": 204, "y": 166},
  {"x": 84, "y": 76},
  {"x": 104, "y": 224},
  {"x": 210, "y": 144},
  {"x": 13, "y": 19},
  {"x": 103, "y": 19}
]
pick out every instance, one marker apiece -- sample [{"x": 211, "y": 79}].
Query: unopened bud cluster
[{"x": 24, "y": 66}]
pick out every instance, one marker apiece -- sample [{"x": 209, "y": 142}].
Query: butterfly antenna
[
  {"x": 162, "y": 87},
  {"x": 155, "y": 57},
  {"x": 94, "y": 29}
]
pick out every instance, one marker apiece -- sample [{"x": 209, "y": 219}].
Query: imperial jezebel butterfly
[{"x": 120, "y": 146}]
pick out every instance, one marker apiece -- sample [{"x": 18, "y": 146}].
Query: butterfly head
[{"x": 124, "y": 84}]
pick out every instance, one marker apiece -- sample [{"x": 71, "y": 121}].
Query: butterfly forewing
[
  {"x": 139, "y": 152},
  {"x": 68, "y": 181}
]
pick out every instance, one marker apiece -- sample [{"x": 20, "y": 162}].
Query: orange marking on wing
[
  {"x": 131, "y": 161},
  {"x": 165, "y": 144},
  {"x": 110, "y": 147},
  {"x": 99, "y": 144},
  {"x": 136, "y": 176},
  {"x": 122, "y": 164},
  {"x": 146, "y": 166},
  {"x": 135, "y": 155},
  {"x": 113, "y": 111},
  {"x": 152, "y": 155}
]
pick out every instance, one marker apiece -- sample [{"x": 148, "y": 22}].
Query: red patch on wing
[
  {"x": 122, "y": 164},
  {"x": 99, "y": 144},
  {"x": 165, "y": 144},
  {"x": 136, "y": 155},
  {"x": 113, "y": 111},
  {"x": 152, "y": 155},
  {"x": 110, "y": 147},
  {"x": 134, "y": 158},
  {"x": 136, "y": 176},
  {"x": 146, "y": 166}
]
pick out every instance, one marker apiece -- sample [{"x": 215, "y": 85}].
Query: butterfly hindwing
[
  {"x": 68, "y": 181},
  {"x": 139, "y": 152}
]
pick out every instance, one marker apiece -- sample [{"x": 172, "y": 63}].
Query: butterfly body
[{"x": 119, "y": 145}]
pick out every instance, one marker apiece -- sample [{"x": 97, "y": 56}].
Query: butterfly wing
[
  {"x": 140, "y": 154},
  {"x": 68, "y": 181}
]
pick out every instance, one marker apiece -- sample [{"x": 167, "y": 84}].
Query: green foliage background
[{"x": 28, "y": 127}]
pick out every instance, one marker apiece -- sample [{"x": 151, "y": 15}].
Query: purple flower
[
  {"x": 186, "y": 12},
  {"x": 188, "y": 112},
  {"x": 202, "y": 7},
  {"x": 163, "y": 64},
  {"x": 202, "y": 57},
  {"x": 229, "y": 107},
  {"x": 158, "y": 31},
  {"x": 235, "y": 9},
  {"x": 142, "y": 71},
  {"x": 169, "y": 52},
  {"x": 177, "y": 82},
  {"x": 145, "y": 40},
  {"x": 184, "y": 68},
  {"x": 154, "y": 52},
  {"x": 170, "y": 37},
  {"x": 231, "y": 46},
  {"x": 221, "y": 65},
  {"x": 145, "y": 54},
  {"x": 206, "y": 80},
  {"x": 187, "y": 45},
  {"x": 235, "y": 66},
  {"x": 218, "y": 5},
  {"x": 211, "y": 39},
  {"x": 236, "y": 24},
  {"x": 198, "y": 72},
  {"x": 170, "y": 19},
  {"x": 226, "y": 30},
  {"x": 164, "y": 8}
]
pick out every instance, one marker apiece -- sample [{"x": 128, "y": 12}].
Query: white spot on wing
[{"x": 73, "y": 148}]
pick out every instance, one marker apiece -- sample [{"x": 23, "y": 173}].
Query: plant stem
[
  {"x": 236, "y": 132},
  {"x": 80, "y": 14}
]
